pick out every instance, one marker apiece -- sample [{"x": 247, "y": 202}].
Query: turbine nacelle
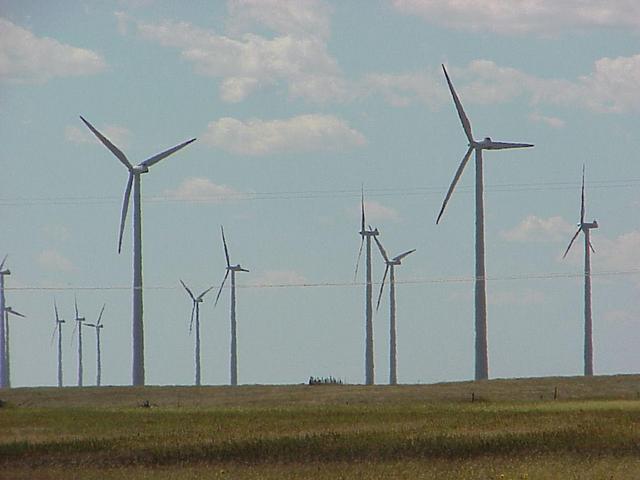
[
  {"x": 5, "y": 272},
  {"x": 588, "y": 226},
  {"x": 139, "y": 169},
  {"x": 236, "y": 268}
]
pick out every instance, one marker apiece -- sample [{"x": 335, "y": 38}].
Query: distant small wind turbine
[
  {"x": 390, "y": 269},
  {"x": 367, "y": 234},
  {"x": 58, "y": 329},
  {"x": 195, "y": 314},
  {"x": 234, "y": 333},
  {"x": 482, "y": 356},
  {"x": 585, "y": 228},
  {"x": 98, "y": 326},
  {"x": 8, "y": 311},
  {"x": 4, "y": 372},
  {"x": 78, "y": 325},
  {"x": 134, "y": 181}
]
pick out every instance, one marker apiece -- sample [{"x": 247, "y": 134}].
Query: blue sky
[{"x": 295, "y": 105}]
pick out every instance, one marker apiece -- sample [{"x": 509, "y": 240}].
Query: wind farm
[{"x": 431, "y": 354}]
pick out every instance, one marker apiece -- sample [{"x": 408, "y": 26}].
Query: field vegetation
[{"x": 553, "y": 428}]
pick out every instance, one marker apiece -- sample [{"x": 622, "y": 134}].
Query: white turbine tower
[
  {"x": 482, "y": 356},
  {"x": 4, "y": 374},
  {"x": 391, "y": 265},
  {"x": 367, "y": 234},
  {"x": 234, "y": 330},
  {"x": 58, "y": 329},
  {"x": 98, "y": 326},
  {"x": 7, "y": 357},
  {"x": 195, "y": 314},
  {"x": 585, "y": 228},
  {"x": 79, "y": 322},
  {"x": 135, "y": 172}
]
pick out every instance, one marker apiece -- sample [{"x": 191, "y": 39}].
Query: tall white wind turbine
[
  {"x": 482, "y": 357},
  {"x": 98, "y": 326},
  {"x": 58, "y": 329},
  {"x": 4, "y": 373},
  {"x": 366, "y": 235},
  {"x": 79, "y": 322},
  {"x": 195, "y": 315},
  {"x": 7, "y": 357},
  {"x": 585, "y": 228},
  {"x": 233, "y": 269},
  {"x": 138, "y": 374},
  {"x": 391, "y": 264}
]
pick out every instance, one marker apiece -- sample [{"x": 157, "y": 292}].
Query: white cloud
[
  {"x": 53, "y": 260},
  {"x": 553, "y": 122},
  {"x": 537, "y": 229},
  {"x": 619, "y": 254},
  {"x": 375, "y": 212},
  {"x": 304, "y": 133},
  {"x": 118, "y": 135},
  {"x": 122, "y": 21},
  {"x": 200, "y": 189},
  {"x": 297, "y": 17},
  {"x": 401, "y": 90},
  {"x": 27, "y": 58},
  {"x": 280, "y": 277},
  {"x": 531, "y": 16},
  {"x": 244, "y": 62}
]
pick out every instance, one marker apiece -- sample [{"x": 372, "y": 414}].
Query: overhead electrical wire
[
  {"x": 415, "y": 281},
  {"x": 313, "y": 194}
]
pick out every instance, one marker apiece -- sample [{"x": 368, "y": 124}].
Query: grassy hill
[{"x": 511, "y": 429}]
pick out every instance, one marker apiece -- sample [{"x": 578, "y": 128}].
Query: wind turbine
[
  {"x": 482, "y": 360},
  {"x": 7, "y": 357},
  {"x": 98, "y": 326},
  {"x": 367, "y": 234},
  {"x": 134, "y": 181},
  {"x": 234, "y": 331},
  {"x": 4, "y": 369},
  {"x": 195, "y": 313},
  {"x": 585, "y": 228},
  {"x": 390, "y": 269},
  {"x": 79, "y": 322},
  {"x": 58, "y": 329}
]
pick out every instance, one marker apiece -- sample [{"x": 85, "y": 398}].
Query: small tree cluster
[{"x": 324, "y": 381}]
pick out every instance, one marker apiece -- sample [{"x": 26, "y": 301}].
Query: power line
[
  {"x": 415, "y": 281},
  {"x": 314, "y": 194}
]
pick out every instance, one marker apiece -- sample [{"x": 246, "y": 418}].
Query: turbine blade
[
  {"x": 582, "y": 199},
  {"x": 53, "y": 335},
  {"x": 55, "y": 307},
  {"x": 160, "y": 156},
  {"x": 188, "y": 291},
  {"x": 73, "y": 334},
  {"x": 507, "y": 145},
  {"x": 3, "y": 260},
  {"x": 125, "y": 209},
  {"x": 105, "y": 141},
  {"x": 355, "y": 275},
  {"x": 381, "y": 248},
  {"x": 402, "y": 255},
  {"x": 16, "y": 313},
  {"x": 226, "y": 250},
  {"x": 89, "y": 325},
  {"x": 220, "y": 289},
  {"x": 384, "y": 277},
  {"x": 571, "y": 243},
  {"x": 193, "y": 311},
  {"x": 201, "y": 296},
  {"x": 466, "y": 125},
  {"x": 75, "y": 303},
  {"x": 100, "y": 316},
  {"x": 456, "y": 177},
  {"x": 591, "y": 247},
  {"x": 362, "y": 221}
]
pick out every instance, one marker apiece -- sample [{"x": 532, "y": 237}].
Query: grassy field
[{"x": 514, "y": 429}]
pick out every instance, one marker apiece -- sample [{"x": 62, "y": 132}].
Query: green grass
[{"x": 514, "y": 429}]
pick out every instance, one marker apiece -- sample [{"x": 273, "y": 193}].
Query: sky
[{"x": 296, "y": 105}]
